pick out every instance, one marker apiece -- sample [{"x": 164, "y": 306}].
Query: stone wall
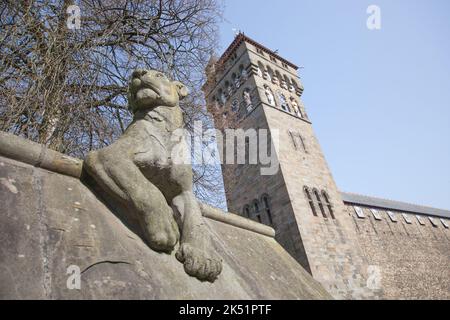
[
  {"x": 50, "y": 221},
  {"x": 413, "y": 260}
]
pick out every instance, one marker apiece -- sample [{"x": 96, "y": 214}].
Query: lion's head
[{"x": 150, "y": 88}]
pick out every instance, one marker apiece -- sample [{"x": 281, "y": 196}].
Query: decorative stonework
[{"x": 135, "y": 171}]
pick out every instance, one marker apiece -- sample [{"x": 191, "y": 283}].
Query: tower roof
[{"x": 241, "y": 37}]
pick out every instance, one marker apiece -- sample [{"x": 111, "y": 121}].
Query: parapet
[{"x": 51, "y": 223}]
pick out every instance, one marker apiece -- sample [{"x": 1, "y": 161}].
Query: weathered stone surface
[
  {"x": 147, "y": 173},
  {"x": 49, "y": 222},
  {"x": 412, "y": 260}
]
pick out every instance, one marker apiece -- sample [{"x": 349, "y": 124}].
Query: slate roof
[{"x": 357, "y": 199}]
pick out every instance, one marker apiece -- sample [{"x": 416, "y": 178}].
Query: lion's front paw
[
  {"x": 161, "y": 232},
  {"x": 198, "y": 263}
]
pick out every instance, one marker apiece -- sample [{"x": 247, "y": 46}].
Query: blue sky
[{"x": 379, "y": 100}]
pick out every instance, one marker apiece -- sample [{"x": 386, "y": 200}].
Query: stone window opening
[
  {"x": 247, "y": 100},
  {"x": 270, "y": 73},
  {"x": 376, "y": 214},
  {"x": 319, "y": 203},
  {"x": 243, "y": 74},
  {"x": 269, "y": 95},
  {"x": 229, "y": 89},
  {"x": 283, "y": 102},
  {"x": 235, "y": 106},
  {"x": 419, "y": 219},
  {"x": 433, "y": 222},
  {"x": 298, "y": 141},
  {"x": 406, "y": 218},
  {"x": 222, "y": 97},
  {"x": 246, "y": 211},
  {"x": 266, "y": 203},
  {"x": 285, "y": 82},
  {"x": 296, "y": 107},
  {"x": 310, "y": 200},
  {"x": 257, "y": 213},
  {"x": 294, "y": 84},
  {"x": 359, "y": 212},
  {"x": 277, "y": 78},
  {"x": 393, "y": 216},
  {"x": 328, "y": 204},
  {"x": 260, "y": 69},
  {"x": 236, "y": 81}
]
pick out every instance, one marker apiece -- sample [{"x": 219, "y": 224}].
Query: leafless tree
[{"x": 66, "y": 87}]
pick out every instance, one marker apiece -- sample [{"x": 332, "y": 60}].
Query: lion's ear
[{"x": 182, "y": 90}]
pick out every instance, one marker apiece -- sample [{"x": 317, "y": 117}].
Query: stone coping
[{"x": 35, "y": 154}]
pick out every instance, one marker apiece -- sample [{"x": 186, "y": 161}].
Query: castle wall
[
  {"x": 51, "y": 223},
  {"x": 409, "y": 261}
]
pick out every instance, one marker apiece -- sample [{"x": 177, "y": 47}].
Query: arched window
[
  {"x": 327, "y": 203},
  {"x": 229, "y": 89},
  {"x": 276, "y": 78},
  {"x": 283, "y": 102},
  {"x": 222, "y": 97},
  {"x": 215, "y": 102},
  {"x": 243, "y": 73},
  {"x": 266, "y": 204},
  {"x": 310, "y": 200},
  {"x": 319, "y": 202},
  {"x": 246, "y": 211},
  {"x": 294, "y": 83},
  {"x": 270, "y": 73},
  {"x": 269, "y": 95},
  {"x": 296, "y": 107},
  {"x": 247, "y": 99},
  {"x": 256, "y": 211},
  {"x": 298, "y": 141},
  {"x": 260, "y": 69},
  {"x": 291, "y": 86},
  {"x": 236, "y": 80},
  {"x": 235, "y": 106}
]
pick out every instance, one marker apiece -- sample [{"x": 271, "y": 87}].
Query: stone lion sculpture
[{"x": 138, "y": 171}]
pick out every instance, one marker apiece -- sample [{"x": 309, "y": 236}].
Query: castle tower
[{"x": 252, "y": 87}]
